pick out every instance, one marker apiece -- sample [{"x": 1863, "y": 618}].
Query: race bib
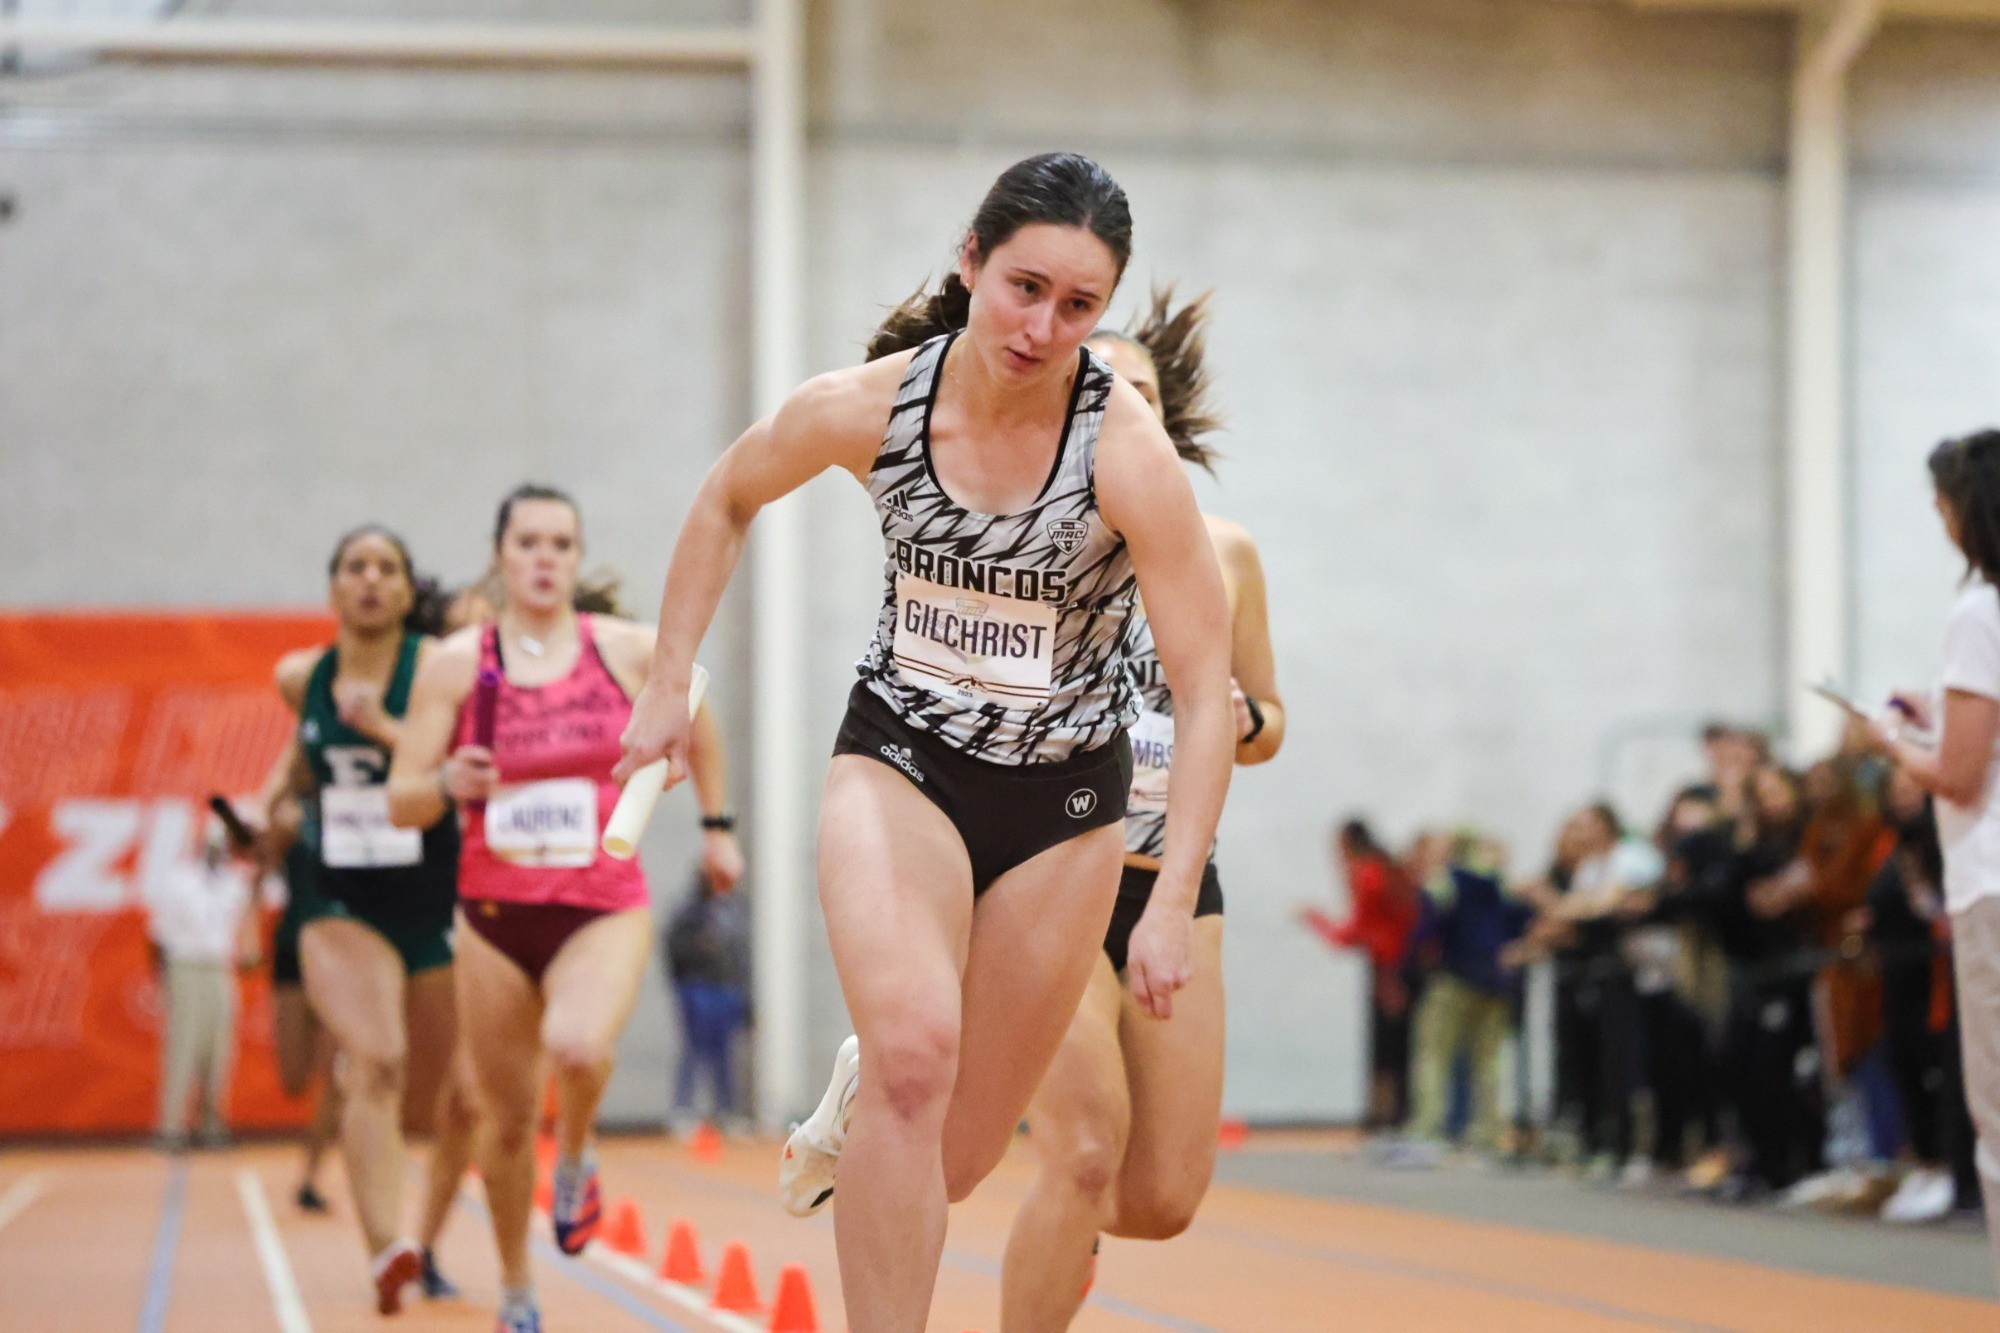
[
  {"x": 974, "y": 647},
  {"x": 551, "y": 824},
  {"x": 355, "y": 832},
  {"x": 1152, "y": 739}
]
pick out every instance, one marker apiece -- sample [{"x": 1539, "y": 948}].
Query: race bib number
[
  {"x": 1152, "y": 738},
  {"x": 974, "y": 647},
  {"x": 355, "y": 832},
  {"x": 551, "y": 824}
]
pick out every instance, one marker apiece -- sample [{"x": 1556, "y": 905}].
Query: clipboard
[{"x": 1832, "y": 693}]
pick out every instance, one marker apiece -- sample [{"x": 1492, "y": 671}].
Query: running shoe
[
  {"x": 311, "y": 1200},
  {"x": 805, "y": 1172},
  {"x": 519, "y": 1314},
  {"x": 437, "y": 1287},
  {"x": 578, "y": 1207},
  {"x": 1925, "y": 1195},
  {"x": 399, "y": 1264}
]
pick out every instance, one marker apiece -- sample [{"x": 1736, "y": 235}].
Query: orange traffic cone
[
  {"x": 735, "y": 1288},
  {"x": 705, "y": 1144},
  {"x": 545, "y": 1193},
  {"x": 545, "y": 1152},
  {"x": 793, "y": 1311},
  {"x": 1231, "y": 1135},
  {"x": 682, "y": 1261},
  {"x": 627, "y": 1234}
]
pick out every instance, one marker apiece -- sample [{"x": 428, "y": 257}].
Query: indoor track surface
[{"x": 113, "y": 1238}]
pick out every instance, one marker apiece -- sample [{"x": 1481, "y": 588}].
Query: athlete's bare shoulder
[
  {"x": 1232, "y": 540},
  {"x": 844, "y": 412},
  {"x": 451, "y": 663},
  {"x": 627, "y": 643},
  {"x": 1137, "y": 467},
  {"x": 293, "y": 672}
]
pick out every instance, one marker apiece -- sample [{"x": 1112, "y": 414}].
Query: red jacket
[{"x": 1385, "y": 911}]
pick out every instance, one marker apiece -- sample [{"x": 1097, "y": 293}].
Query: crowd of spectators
[{"x": 1752, "y": 1000}]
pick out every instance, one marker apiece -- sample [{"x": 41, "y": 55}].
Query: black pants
[
  {"x": 1773, "y": 1062},
  {"x": 1598, "y": 1051},
  {"x": 1916, "y": 1055},
  {"x": 1676, "y": 1072}
]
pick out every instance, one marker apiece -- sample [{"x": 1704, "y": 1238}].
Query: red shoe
[{"x": 400, "y": 1264}]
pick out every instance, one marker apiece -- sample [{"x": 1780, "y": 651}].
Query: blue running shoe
[
  {"x": 578, "y": 1207},
  {"x": 519, "y": 1314},
  {"x": 437, "y": 1287}
]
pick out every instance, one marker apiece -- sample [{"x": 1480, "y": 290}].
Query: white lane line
[
  {"x": 278, "y": 1277},
  {"x": 24, "y": 1192},
  {"x": 688, "y": 1298}
]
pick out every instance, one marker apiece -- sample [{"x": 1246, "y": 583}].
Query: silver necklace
[{"x": 532, "y": 646}]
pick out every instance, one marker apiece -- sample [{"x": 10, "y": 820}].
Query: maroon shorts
[{"x": 531, "y": 934}]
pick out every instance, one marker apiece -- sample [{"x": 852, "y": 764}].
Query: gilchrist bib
[{"x": 1001, "y": 634}]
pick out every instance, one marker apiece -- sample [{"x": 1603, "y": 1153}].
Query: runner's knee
[
  {"x": 574, "y": 1050},
  {"x": 910, "y": 1068},
  {"x": 1156, "y": 1211},
  {"x": 375, "y": 1076}
]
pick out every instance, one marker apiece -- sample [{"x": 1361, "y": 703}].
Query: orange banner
[{"x": 114, "y": 731}]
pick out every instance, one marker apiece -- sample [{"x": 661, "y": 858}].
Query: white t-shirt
[
  {"x": 194, "y": 912},
  {"x": 1970, "y": 834}
]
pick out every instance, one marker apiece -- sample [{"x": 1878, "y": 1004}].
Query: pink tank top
[{"x": 536, "y": 841}]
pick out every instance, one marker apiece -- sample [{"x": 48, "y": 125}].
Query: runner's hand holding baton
[{"x": 643, "y": 787}]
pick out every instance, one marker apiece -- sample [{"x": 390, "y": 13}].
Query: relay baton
[
  {"x": 485, "y": 703},
  {"x": 239, "y": 832},
  {"x": 643, "y": 788}
]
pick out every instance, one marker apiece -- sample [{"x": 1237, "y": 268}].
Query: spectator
[
  {"x": 1615, "y": 876},
  {"x": 1468, "y": 920},
  {"x": 200, "y": 922},
  {"x": 1771, "y": 1058},
  {"x": 1383, "y": 910},
  {"x": 707, "y": 950}
]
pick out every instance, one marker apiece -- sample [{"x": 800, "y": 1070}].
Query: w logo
[{"x": 1080, "y": 803}]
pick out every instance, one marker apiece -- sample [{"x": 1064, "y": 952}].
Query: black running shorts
[
  {"x": 1135, "y": 890},
  {"x": 1005, "y": 813}
]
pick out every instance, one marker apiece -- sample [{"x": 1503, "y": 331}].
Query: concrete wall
[
  {"x": 1497, "y": 332},
  {"x": 1927, "y": 303}
]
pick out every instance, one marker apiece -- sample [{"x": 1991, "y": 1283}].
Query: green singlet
[{"x": 401, "y": 882}]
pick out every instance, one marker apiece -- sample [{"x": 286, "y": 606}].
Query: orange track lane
[{"x": 87, "y": 1253}]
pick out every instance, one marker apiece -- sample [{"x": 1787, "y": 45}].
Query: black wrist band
[
  {"x": 724, "y": 823},
  {"x": 1256, "y": 720}
]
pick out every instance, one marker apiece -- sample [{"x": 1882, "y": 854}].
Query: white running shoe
[
  {"x": 805, "y": 1172},
  {"x": 1924, "y": 1196}
]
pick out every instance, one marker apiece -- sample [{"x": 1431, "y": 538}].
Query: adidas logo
[
  {"x": 901, "y": 759},
  {"x": 1080, "y": 803},
  {"x": 898, "y": 504}
]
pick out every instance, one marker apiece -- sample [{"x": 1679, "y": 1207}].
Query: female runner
[
  {"x": 1124, "y": 1124},
  {"x": 377, "y": 960},
  {"x": 970, "y": 835},
  {"x": 557, "y": 934}
]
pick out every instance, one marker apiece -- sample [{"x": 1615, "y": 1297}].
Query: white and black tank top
[
  {"x": 1152, "y": 745},
  {"x": 1003, "y": 635}
]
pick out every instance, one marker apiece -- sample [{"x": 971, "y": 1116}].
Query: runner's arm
[
  {"x": 1250, "y": 659},
  {"x": 421, "y": 784},
  {"x": 833, "y": 421}
]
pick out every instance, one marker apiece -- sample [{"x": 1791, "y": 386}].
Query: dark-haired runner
[
  {"x": 377, "y": 958},
  {"x": 970, "y": 833},
  {"x": 1124, "y": 1123}
]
